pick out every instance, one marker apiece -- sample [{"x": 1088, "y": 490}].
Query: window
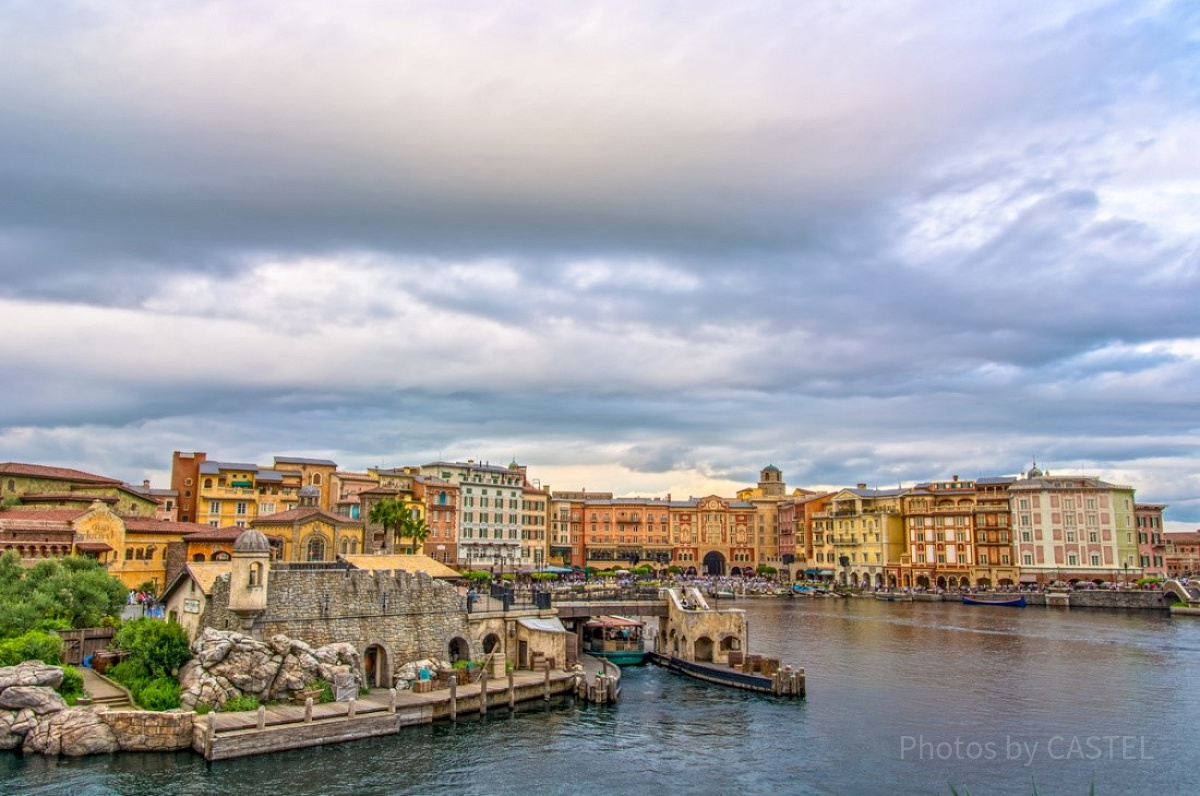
[
  {"x": 1027, "y": 559},
  {"x": 241, "y": 508},
  {"x": 315, "y": 549},
  {"x": 208, "y": 483},
  {"x": 214, "y": 507}
]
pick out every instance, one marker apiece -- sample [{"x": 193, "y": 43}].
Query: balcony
[{"x": 216, "y": 493}]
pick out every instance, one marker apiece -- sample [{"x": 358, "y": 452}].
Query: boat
[
  {"x": 1005, "y": 602},
  {"x": 617, "y": 639},
  {"x": 890, "y": 597}
]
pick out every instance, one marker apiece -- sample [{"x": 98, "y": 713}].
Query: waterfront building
[
  {"x": 627, "y": 531},
  {"x": 440, "y": 499},
  {"x": 1072, "y": 528},
  {"x": 713, "y": 535},
  {"x": 394, "y": 483},
  {"x": 860, "y": 533},
  {"x": 39, "y": 486},
  {"x": 811, "y": 562},
  {"x": 995, "y": 561},
  {"x": 535, "y": 526},
  {"x": 1182, "y": 554},
  {"x": 765, "y": 529},
  {"x": 216, "y": 544},
  {"x": 489, "y": 533},
  {"x": 311, "y": 534},
  {"x": 786, "y": 515},
  {"x": 1152, "y": 549},
  {"x": 224, "y": 494},
  {"x": 567, "y": 510},
  {"x": 938, "y": 519}
]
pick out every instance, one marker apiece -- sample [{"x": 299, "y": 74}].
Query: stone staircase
[{"x": 104, "y": 691}]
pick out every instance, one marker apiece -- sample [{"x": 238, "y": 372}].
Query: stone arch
[
  {"x": 198, "y": 556},
  {"x": 964, "y": 583},
  {"x": 922, "y": 581},
  {"x": 983, "y": 583},
  {"x": 377, "y": 665},
  {"x": 491, "y": 643},
  {"x": 345, "y": 546},
  {"x": 879, "y": 580},
  {"x": 729, "y": 643},
  {"x": 703, "y": 650},
  {"x": 714, "y": 563},
  {"x": 220, "y": 555},
  {"x": 736, "y": 572},
  {"x": 941, "y": 581},
  {"x": 458, "y": 649}
]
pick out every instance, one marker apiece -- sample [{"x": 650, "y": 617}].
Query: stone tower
[
  {"x": 249, "y": 575},
  {"x": 770, "y": 482}
]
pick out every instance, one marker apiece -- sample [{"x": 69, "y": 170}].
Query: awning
[
  {"x": 557, "y": 570},
  {"x": 825, "y": 572},
  {"x": 1028, "y": 578},
  {"x": 93, "y": 547},
  {"x": 810, "y": 572},
  {"x": 550, "y": 625},
  {"x": 614, "y": 621}
]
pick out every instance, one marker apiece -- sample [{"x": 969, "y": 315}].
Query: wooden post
[
  {"x": 483, "y": 691},
  {"x": 308, "y": 710},
  {"x": 454, "y": 699},
  {"x": 351, "y": 707},
  {"x": 512, "y": 692},
  {"x": 546, "y": 684},
  {"x": 210, "y": 735},
  {"x": 391, "y": 700},
  {"x": 262, "y": 717}
]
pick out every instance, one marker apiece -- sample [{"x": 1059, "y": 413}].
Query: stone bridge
[{"x": 607, "y": 602}]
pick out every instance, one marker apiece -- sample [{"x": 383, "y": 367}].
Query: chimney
[
  {"x": 862, "y": 486},
  {"x": 146, "y": 483}
]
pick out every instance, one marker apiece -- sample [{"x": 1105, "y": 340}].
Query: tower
[{"x": 249, "y": 576}]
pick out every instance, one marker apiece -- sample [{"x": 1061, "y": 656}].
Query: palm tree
[
  {"x": 391, "y": 514},
  {"x": 414, "y": 528}
]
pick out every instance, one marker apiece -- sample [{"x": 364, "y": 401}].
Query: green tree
[
  {"x": 389, "y": 513},
  {"x": 55, "y": 594},
  {"x": 414, "y": 528}
]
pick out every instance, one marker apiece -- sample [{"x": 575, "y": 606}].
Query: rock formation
[{"x": 229, "y": 664}]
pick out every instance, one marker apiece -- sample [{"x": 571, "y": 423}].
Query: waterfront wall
[
  {"x": 405, "y": 617},
  {"x": 1102, "y": 598}
]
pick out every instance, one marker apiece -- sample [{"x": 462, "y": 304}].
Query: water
[{"x": 903, "y": 698}]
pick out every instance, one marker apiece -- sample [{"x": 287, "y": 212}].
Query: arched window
[
  {"x": 12, "y": 486},
  {"x": 208, "y": 483},
  {"x": 441, "y": 496},
  {"x": 220, "y": 555},
  {"x": 198, "y": 557},
  {"x": 345, "y": 546},
  {"x": 315, "y": 550},
  {"x": 316, "y": 479}
]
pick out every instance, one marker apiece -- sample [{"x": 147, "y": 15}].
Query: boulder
[
  {"x": 72, "y": 732},
  {"x": 30, "y": 673},
  {"x": 40, "y": 699}
]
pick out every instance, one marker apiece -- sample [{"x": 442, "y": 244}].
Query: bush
[
  {"x": 71, "y": 687},
  {"x": 34, "y": 645},
  {"x": 326, "y": 690},
  {"x": 161, "y": 693},
  {"x": 240, "y": 703},
  {"x": 160, "y": 648},
  {"x": 203, "y": 709}
]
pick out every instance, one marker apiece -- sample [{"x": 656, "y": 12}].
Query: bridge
[
  {"x": 1188, "y": 594},
  {"x": 629, "y": 601}
]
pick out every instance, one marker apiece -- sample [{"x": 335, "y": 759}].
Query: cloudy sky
[{"x": 644, "y": 247}]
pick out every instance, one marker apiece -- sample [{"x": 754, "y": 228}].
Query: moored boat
[
  {"x": 618, "y": 639},
  {"x": 891, "y": 597},
  {"x": 1004, "y": 602}
]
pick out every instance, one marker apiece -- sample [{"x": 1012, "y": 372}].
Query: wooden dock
[{"x": 275, "y": 728}]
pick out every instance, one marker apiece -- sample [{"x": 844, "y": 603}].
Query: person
[
  {"x": 684, "y": 602},
  {"x": 471, "y": 596}
]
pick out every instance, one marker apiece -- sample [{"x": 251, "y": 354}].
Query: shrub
[
  {"x": 33, "y": 645},
  {"x": 159, "y": 647},
  {"x": 161, "y": 693},
  {"x": 326, "y": 690},
  {"x": 71, "y": 687},
  {"x": 240, "y": 703},
  {"x": 203, "y": 709}
]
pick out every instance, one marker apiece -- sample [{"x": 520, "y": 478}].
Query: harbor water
[{"x": 902, "y": 698}]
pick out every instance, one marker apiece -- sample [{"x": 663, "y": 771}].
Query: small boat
[
  {"x": 618, "y": 639},
  {"x": 1004, "y": 602},
  {"x": 890, "y": 597}
]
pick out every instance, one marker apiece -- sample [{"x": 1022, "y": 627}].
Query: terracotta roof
[
  {"x": 408, "y": 563},
  {"x": 151, "y": 525},
  {"x": 78, "y": 497},
  {"x": 92, "y": 547},
  {"x": 301, "y": 513},
  {"x": 229, "y": 533},
  {"x": 61, "y": 473},
  {"x": 39, "y": 519}
]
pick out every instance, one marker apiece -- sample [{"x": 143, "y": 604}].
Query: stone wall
[{"x": 408, "y": 617}]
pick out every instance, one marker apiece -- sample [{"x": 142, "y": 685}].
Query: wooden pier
[{"x": 222, "y": 736}]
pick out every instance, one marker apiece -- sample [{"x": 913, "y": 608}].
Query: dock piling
[
  {"x": 512, "y": 692},
  {"x": 453, "y": 699},
  {"x": 483, "y": 691},
  {"x": 308, "y": 710}
]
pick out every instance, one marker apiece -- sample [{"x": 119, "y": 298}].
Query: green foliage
[
  {"x": 161, "y": 693},
  {"x": 1147, "y": 581},
  {"x": 477, "y": 575},
  {"x": 544, "y": 576},
  {"x": 763, "y": 569},
  {"x": 33, "y": 645},
  {"x": 158, "y": 647},
  {"x": 326, "y": 690},
  {"x": 674, "y": 569},
  {"x": 508, "y": 576},
  {"x": 396, "y": 518},
  {"x": 71, "y": 687},
  {"x": 147, "y": 586},
  {"x": 240, "y": 703},
  {"x": 203, "y": 709},
  {"x": 55, "y": 594}
]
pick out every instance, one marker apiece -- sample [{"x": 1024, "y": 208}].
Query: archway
[
  {"x": 983, "y": 583},
  {"x": 963, "y": 583},
  {"x": 690, "y": 572},
  {"x": 491, "y": 642},
  {"x": 736, "y": 572},
  {"x": 376, "y": 668},
  {"x": 730, "y": 644},
  {"x": 459, "y": 649},
  {"x": 922, "y": 582},
  {"x": 704, "y": 649},
  {"x": 714, "y": 564},
  {"x": 941, "y": 582}
]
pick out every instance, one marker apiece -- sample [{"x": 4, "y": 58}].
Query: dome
[
  {"x": 1035, "y": 472},
  {"x": 770, "y": 468},
  {"x": 309, "y": 491},
  {"x": 251, "y": 541}
]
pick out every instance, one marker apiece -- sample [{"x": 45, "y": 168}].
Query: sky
[{"x": 641, "y": 247}]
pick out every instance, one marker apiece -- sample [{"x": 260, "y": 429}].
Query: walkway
[{"x": 104, "y": 691}]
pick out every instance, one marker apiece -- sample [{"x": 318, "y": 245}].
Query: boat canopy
[{"x": 613, "y": 621}]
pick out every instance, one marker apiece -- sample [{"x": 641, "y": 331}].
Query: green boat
[{"x": 618, "y": 639}]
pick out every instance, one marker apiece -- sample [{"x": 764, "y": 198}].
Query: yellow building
[
  {"x": 858, "y": 535},
  {"x": 764, "y": 532},
  {"x": 41, "y": 486},
  {"x": 311, "y": 534}
]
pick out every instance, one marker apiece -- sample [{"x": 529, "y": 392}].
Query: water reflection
[{"x": 878, "y": 674}]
